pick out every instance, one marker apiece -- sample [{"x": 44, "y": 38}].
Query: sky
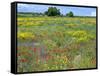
[{"x": 78, "y": 11}]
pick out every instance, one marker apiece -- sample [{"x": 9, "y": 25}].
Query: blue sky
[{"x": 78, "y": 11}]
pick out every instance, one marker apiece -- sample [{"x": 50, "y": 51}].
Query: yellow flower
[{"x": 25, "y": 35}]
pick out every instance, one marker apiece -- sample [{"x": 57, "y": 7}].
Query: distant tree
[
  {"x": 70, "y": 14},
  {"x": 61, "y": 15},
  {"x": 52, "y": 11},
  {"x": 46, "y": 12}
]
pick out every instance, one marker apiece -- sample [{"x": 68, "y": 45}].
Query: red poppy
[
  {"x": 34, "y": 49},
  {"x": 23, "y": 60},
  {"x": 48, "y": 57},
  {"x": 19, "y": 54}
]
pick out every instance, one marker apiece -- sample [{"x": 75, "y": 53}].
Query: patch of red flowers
[
  {"x": 23, "y": 60},
  {"x": 24, "y": 53},
  {"x": 19, "y": 54},
  {"x": 34, "y": 49}
]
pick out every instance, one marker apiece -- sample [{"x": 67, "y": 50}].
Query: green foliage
[
  {"x": 53, "y": 11},
  {"x": 70, "y": 14}
]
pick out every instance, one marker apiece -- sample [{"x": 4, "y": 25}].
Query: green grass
[{"x": 56, "y": 43}]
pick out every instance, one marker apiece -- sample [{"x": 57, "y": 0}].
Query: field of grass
[{"x": 56, "y": 43}]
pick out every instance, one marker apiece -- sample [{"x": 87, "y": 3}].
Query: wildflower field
[{"x": 55, "y": 43}]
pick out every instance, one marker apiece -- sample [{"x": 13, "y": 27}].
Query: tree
[
  {"x": 52, "y": 11},
  {"x": 70, "y": 14}
]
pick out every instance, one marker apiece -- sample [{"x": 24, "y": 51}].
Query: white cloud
[
  {"x": 23, "y": 5},
  {"x": 93, "y": 13}
]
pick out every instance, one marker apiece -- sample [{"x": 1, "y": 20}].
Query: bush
[
  {"x": 70, "y": 14},
  {"x": 52, "y": 11}
]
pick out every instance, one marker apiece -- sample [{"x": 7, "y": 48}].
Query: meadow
[{"x": 55, "y": 43}]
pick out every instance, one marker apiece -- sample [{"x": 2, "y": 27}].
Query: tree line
[{"x": 51, "y": 11}]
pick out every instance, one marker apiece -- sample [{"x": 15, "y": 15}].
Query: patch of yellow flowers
[
  {"x": 71, "y": 25},
  {"x": 79, "y": 35},
  {"x": 25, "y": 35}
]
